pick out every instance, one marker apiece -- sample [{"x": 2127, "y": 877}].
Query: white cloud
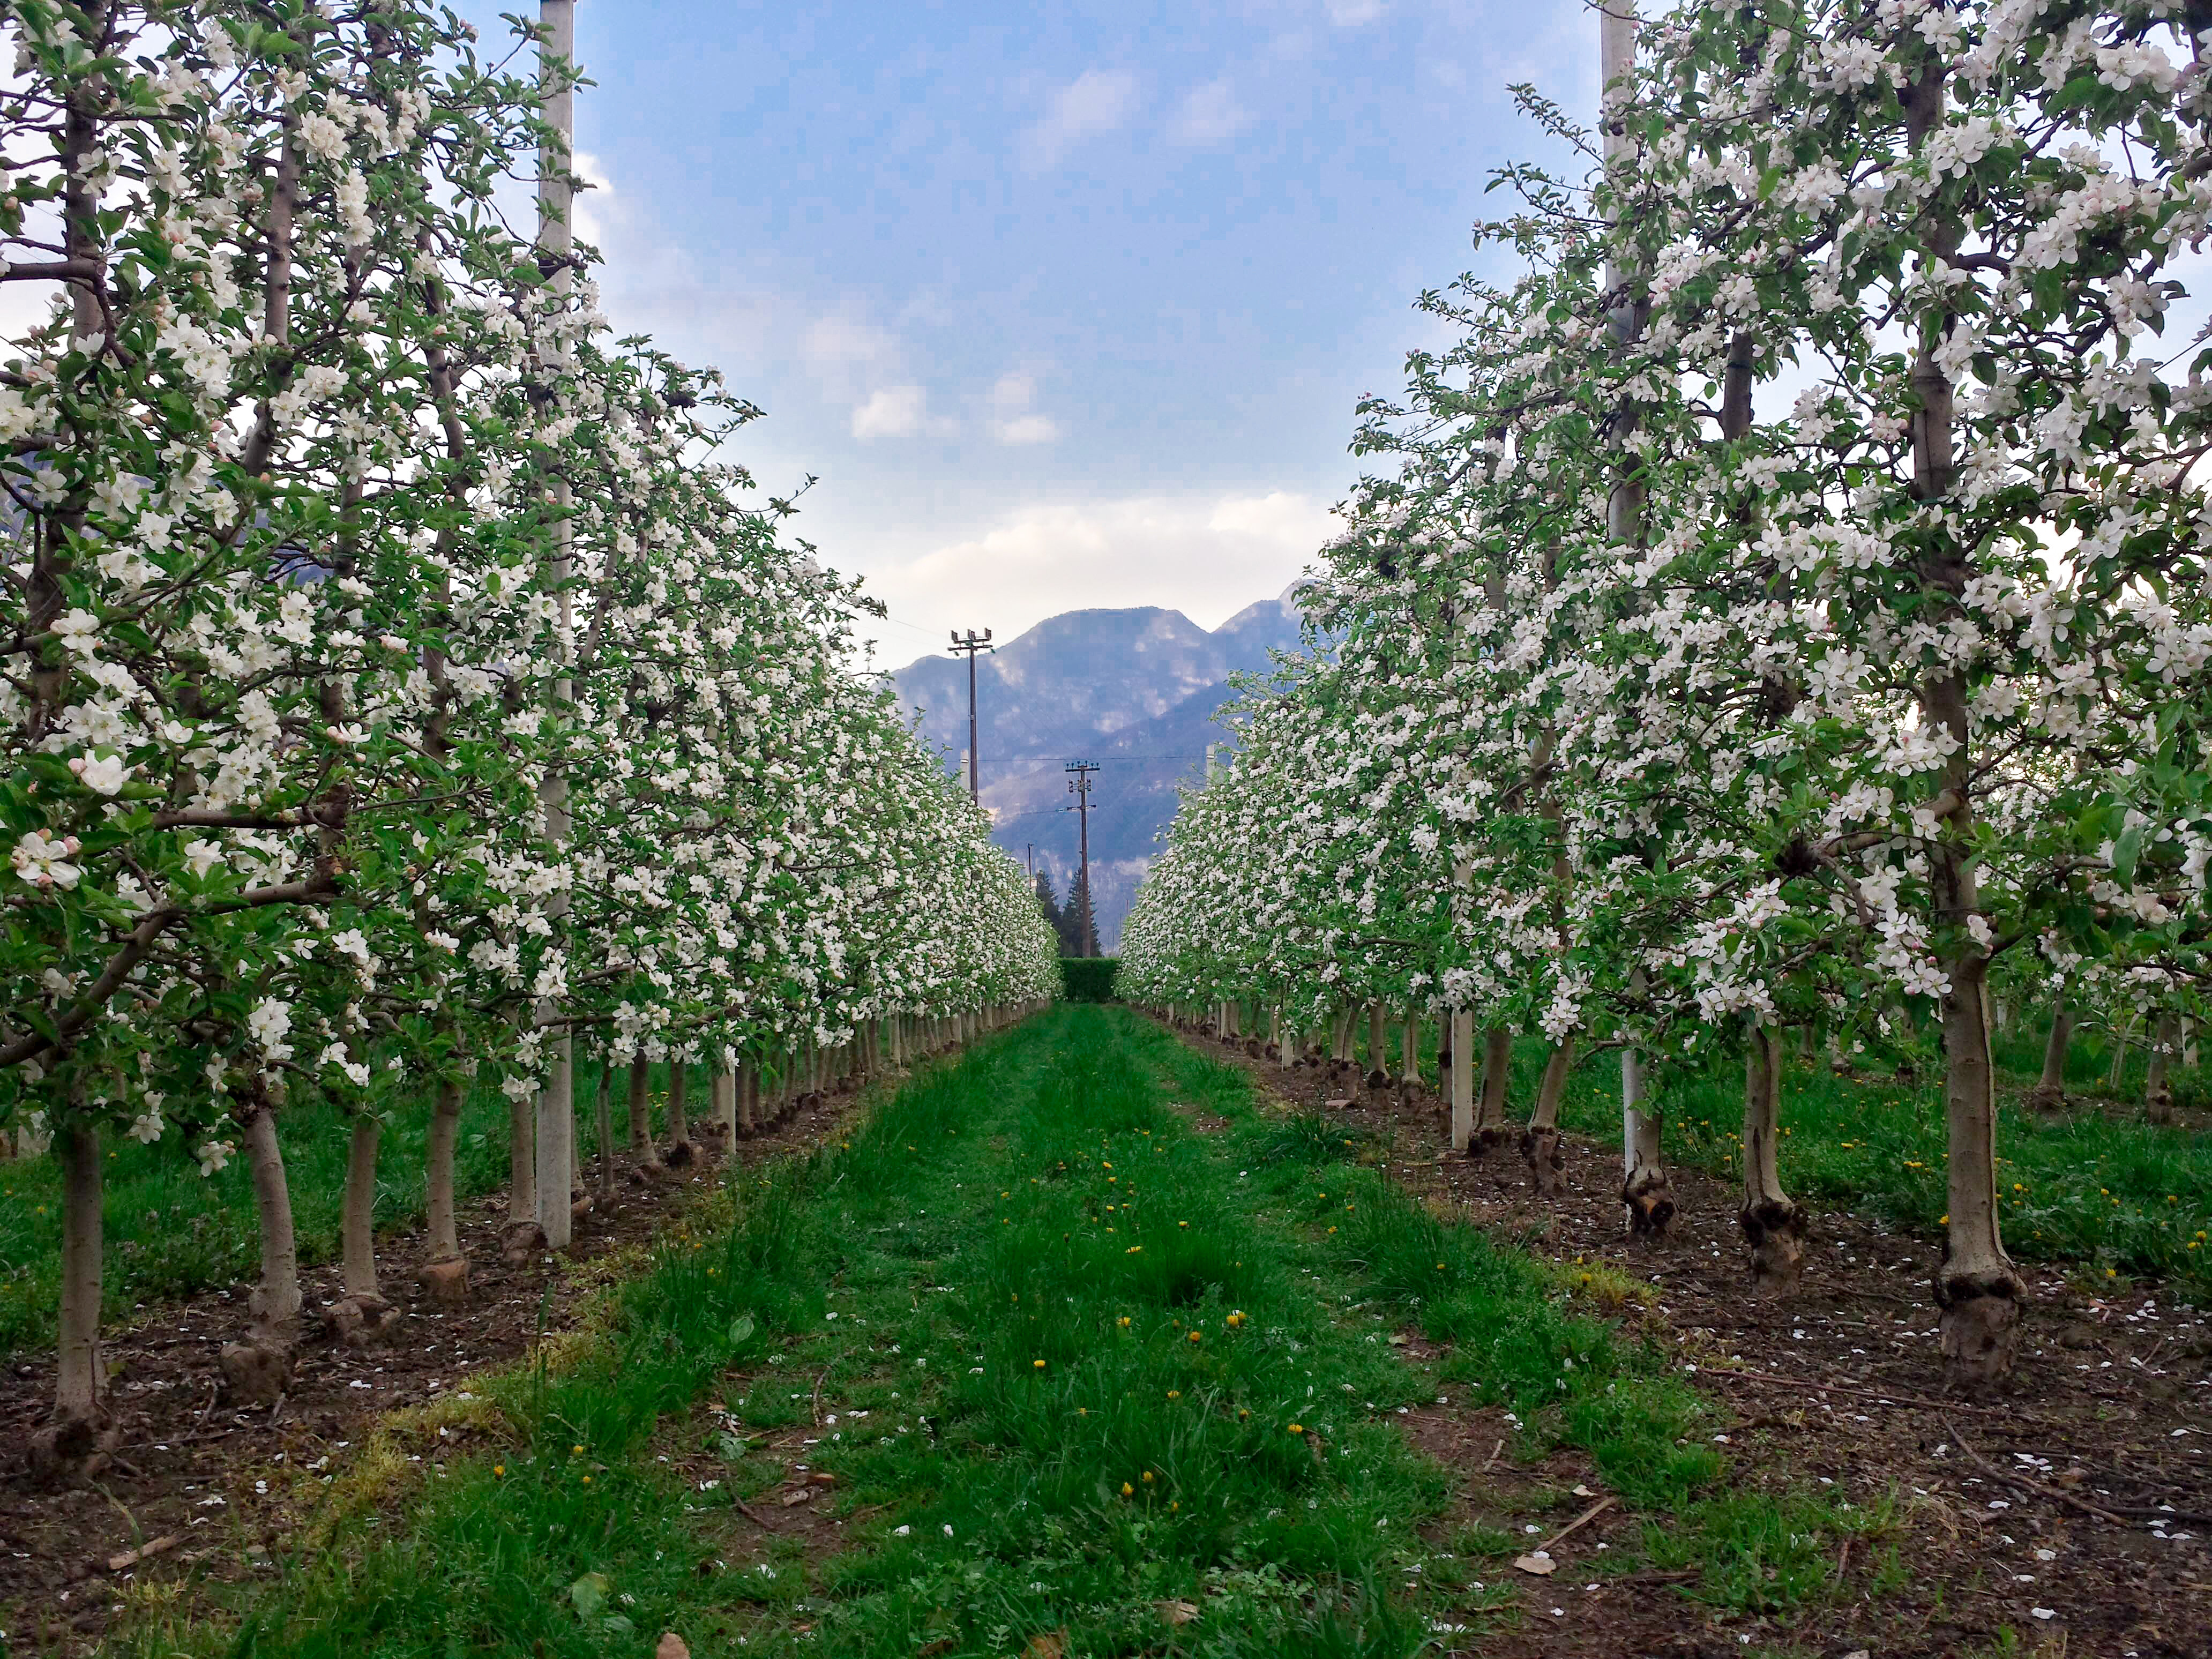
[
  {"x": 1094, "y": 102},
  {"x": 847, "y": 342},
  {"x": 1014, "y": 421},
  {"x": 892, "y": 411},
  {"x": 1209, "y": 115},
  {"x": 1351, "y": 14},
  {"x": 1207, "y": 556},
  {"x": 1027, "y": 429}
]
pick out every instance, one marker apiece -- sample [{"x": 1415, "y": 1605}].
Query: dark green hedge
[{"x": 1088, "y": 979}]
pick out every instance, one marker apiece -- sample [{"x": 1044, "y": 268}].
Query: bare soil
[
  {"x": 218, "y": 1490},
  {"x": 2074, "y": 1511}
]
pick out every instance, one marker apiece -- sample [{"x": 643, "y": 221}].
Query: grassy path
[{"x": 1085, "y": 1380}]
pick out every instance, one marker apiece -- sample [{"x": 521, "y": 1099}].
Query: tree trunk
[
  {"x": 259, "y": 1369},
  {"x": 1462, "y": 1078},
  {"x": 1497, "y": 1077},
  {"x": 80, "y": 1381},
  {"x": 2157, "y": 1084},
  {"x": 1643, "y": 1186},
  {"x": 2051, "y": 1088},
  {"x": 725, "y": 1106},
  {"x": 358, "y": 1228},
  {"x": 1976, "y": 1286},
  {"x": 521, "y": 1162},
  {"x": 1409, "y": 1052},
  {"x": 1541, "y": 1143},
  {"x": 1979, "y": 1290},
  {"x": 1378, "y": 1048},
  {"x": 641, "y": 1109},
  {"x": 276, "y": 1301},
  {"x": 679, "y": 1126},
  {"x": 444, "y": 1137},
  {"x": 602, "y": 1127},
  {"x": 1772, "y": 1224}
]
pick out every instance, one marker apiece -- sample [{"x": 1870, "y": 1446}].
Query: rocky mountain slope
[{"x": 1134, "y": 690}]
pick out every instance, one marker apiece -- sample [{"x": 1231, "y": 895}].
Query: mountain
[{"x": 1134, "y": 690}]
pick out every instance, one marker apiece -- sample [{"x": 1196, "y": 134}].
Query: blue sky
[{"x": 1065, "y": 304}]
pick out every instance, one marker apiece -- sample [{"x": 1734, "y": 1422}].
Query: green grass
[
  {"x": 2115, "y": 1194},
  {"x": 171, "y": 1233},
  {"x": 2096, "y": 1185},
  {"x": 1075, "y": 1362}
]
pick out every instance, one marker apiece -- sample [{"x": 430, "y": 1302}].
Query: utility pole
[
  {"x": 1079, "y": 785},
  {"x": 1028, "y": 851},
  {"x": 969, "y": 647},
  {"x": 554, "y": 1128}
]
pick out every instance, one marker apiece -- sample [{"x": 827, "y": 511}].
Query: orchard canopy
[
  {"x": 1783, "y": 611},
  {"x": 403, "y": 692}
]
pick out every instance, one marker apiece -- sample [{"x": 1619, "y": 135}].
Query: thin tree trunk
[
  {"x": 1409, "y": 1052},
  {"x": 80, "y": 1382},
  {"x": 679, "y": 1125},
  {"x": 641, "y": 1108},
  {"x": 358, "y": 1229},
  {"x": 604, "y": 1126},
  {"x": 1976, "y": 1285},
  {"x": 1539, "y": 1144},
  {"x": 1644, "y": 1187},
  {"x": 1462, "y": 1078},
  {"x": 2157, "y": 1084},
  {"x": 276, "y": 1301},
  {"x": 521, "y": 1162},
  {"x": 444, "y": 1137},
  {"x": 2051, "y": 1088},
  {"x": 1496, "y": 1078},
  {"x": 1378, "y": 1047},
  {"x": 1772, "y": 1224},
  {"x": 725, "y": 1106},
  {"x": 259, "y": 1369}
]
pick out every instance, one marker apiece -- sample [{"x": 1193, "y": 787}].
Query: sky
[{"x": 1060, "y": 306}]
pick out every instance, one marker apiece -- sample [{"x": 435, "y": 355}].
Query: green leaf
[
  {"x": 2125, "y": 851},
  {"x": 741, "y": 1330},
  {"x": 590, "y": 1595}
]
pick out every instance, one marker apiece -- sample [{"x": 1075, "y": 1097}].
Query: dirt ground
[
  {"x": 198, "y": 1485},
  {"x": 2075, "y": 1511}
]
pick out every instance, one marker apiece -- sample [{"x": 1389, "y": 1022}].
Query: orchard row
[
  {"x": 1784, "y": 605},
  {"x": 399, "y": 691}
]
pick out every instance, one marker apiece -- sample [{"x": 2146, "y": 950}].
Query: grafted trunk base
[
  {"x": 446, "y": 1282},
  {"x": 679, "y": 1154},
  {"x": 1775, "y": 1228},
  {"x": 1650, "y": 1206},
  {"x": 70, "y": 1452},
  {"x": 1547, "y": 1161},
  {"x": 1378, "y": 1079},
  {"x": 519, "y": 1240},
  {"x": 1980, "y": 1326},
  {"x": 362, "y": 1321},
  {"x": 259, "y": 1370}
]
